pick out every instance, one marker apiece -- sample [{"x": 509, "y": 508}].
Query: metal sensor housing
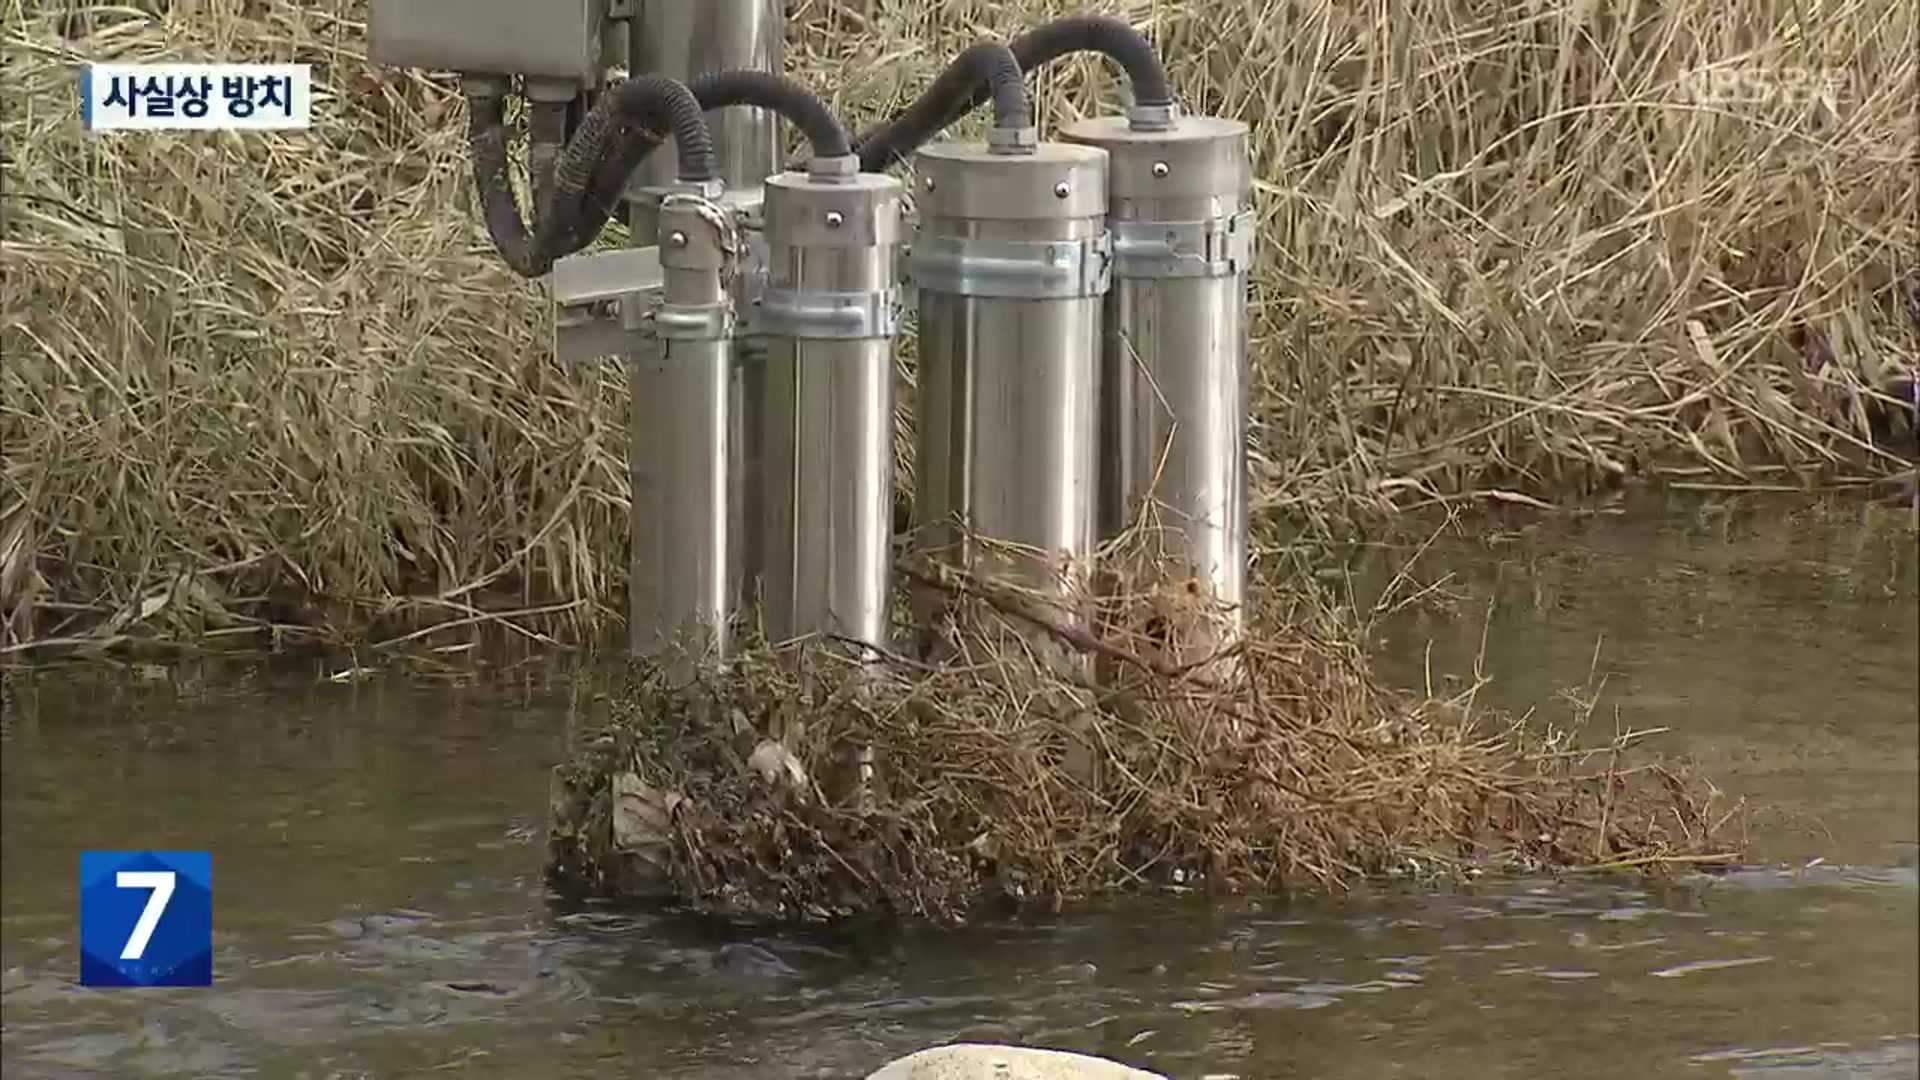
[
  {"x": 826, "y": 324},
  {"x": 1011, "y": 265},
  {"x": 1174, "y": 372}
]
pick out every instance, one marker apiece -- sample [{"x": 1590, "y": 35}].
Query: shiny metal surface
[
  {"x": 558, "y": 39},
  {"x": 749, "y": 391},
  {"x": 684, "y": 435},
  {"x": 1175, "y": 377},
  {"x": 1174, "y": 433},
  {"x": 709, "y": 408},
  {"x": 1007, "y": 413},
  {"x": 1005, "y": 474},
  {"x": 685, "y": 38},
  {"x": 682, "y": 587},
  {"x": 824, "y": 528}
]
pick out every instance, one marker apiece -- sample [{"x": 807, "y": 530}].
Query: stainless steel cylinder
[
  {"x": 685, "y": 38},
  {"x": 1010, "y": 264},
  {"x": 685, "y": 577},
  {"x": 826, "y": 321},
  {"x": 1174, "y": 372}
]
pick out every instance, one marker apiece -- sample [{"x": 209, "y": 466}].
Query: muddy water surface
[{"x": 379, "y": 911}]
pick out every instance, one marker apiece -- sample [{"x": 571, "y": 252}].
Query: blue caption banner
[{"x": 146, "y": 918}]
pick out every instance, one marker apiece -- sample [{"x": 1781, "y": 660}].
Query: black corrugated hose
[
  {"x": 982, "y": 70},
  {"x": 626, "y": 125},
  {"x": 587, "y": 209},
  {"x": 649, "y": 102},
  {"x": 614, "y": 139},
  {"x": 793, "y": 102},
  {"x": 884, "y": 144}
]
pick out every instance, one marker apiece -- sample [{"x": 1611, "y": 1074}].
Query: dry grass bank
[{"x": 1504, "y": 247}]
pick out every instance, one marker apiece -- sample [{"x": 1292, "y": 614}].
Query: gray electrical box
[{"x": 556, "y": 39}]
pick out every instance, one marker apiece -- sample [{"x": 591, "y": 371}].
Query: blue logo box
[{"x": 146, "y": 918}]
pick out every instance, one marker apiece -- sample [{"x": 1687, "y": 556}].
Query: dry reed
[
  {"x": 1001, "y": 776},
  {"x": 256, "y": 379}
]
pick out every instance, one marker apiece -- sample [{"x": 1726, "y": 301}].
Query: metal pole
[
  {"x": 1010, "y": 262},
  {"x": 828, "y": 317},
  {"x": 684, "y": 586},
  {"x": 679, "y": 411},
  {"x": 1174, "y": 378},
  {"x": 686, "y": 38}
]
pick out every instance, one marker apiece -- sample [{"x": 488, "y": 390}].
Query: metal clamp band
[
  {"x": 1029, "y": 269},
  {"x": 844, "y": 315},
  {"x": 693, "y": 322},
  {"x": 1215, "y": 248}
]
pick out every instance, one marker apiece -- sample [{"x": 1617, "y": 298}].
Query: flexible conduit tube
[
  {"x": 610, "y": 145},
  {"x": 583, "y": 210},
  {"x": 945, "y": 102},
  {"x": 985, "y": 69},
  {"x": 792, "y": 101},
  {"x": 783, "y": 96},
  {"x": 649, "y": 101}
]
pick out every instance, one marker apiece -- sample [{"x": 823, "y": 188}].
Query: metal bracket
[
  {"x": 816, "y": 315},
  {"x": 909, "y": 306},
  {"x": 1030, "y": 269},
  {"x": 692, "y": 322},
  {"x": 602, "y": 303},
  {"x": 1215, "y": 248},
  {"x": 607, "y": 304}
]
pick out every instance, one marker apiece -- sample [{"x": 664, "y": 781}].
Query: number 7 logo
[
  {"x": 161, "y": 882},
  {"x": 146, "y": 918}
]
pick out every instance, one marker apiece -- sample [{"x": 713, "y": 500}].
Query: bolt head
[
  {"x": 677, "y": 239},
  {"x": 1160, "y": 170},
  {"x": 835, "y": 219},
  {"x": 1061, "y": 189}
]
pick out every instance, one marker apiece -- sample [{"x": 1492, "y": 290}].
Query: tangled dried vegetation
[
  {"x": 281, "y": 379},
  {"x": 1001, "y": 775}
]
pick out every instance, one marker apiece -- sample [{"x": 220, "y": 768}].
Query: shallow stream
[{"x": 379, "y": 909}]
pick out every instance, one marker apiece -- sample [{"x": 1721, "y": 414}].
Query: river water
[{"x": 379, "y": 909}]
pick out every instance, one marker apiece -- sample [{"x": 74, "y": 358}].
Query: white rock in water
[{"x": 983, "y": 1061}]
